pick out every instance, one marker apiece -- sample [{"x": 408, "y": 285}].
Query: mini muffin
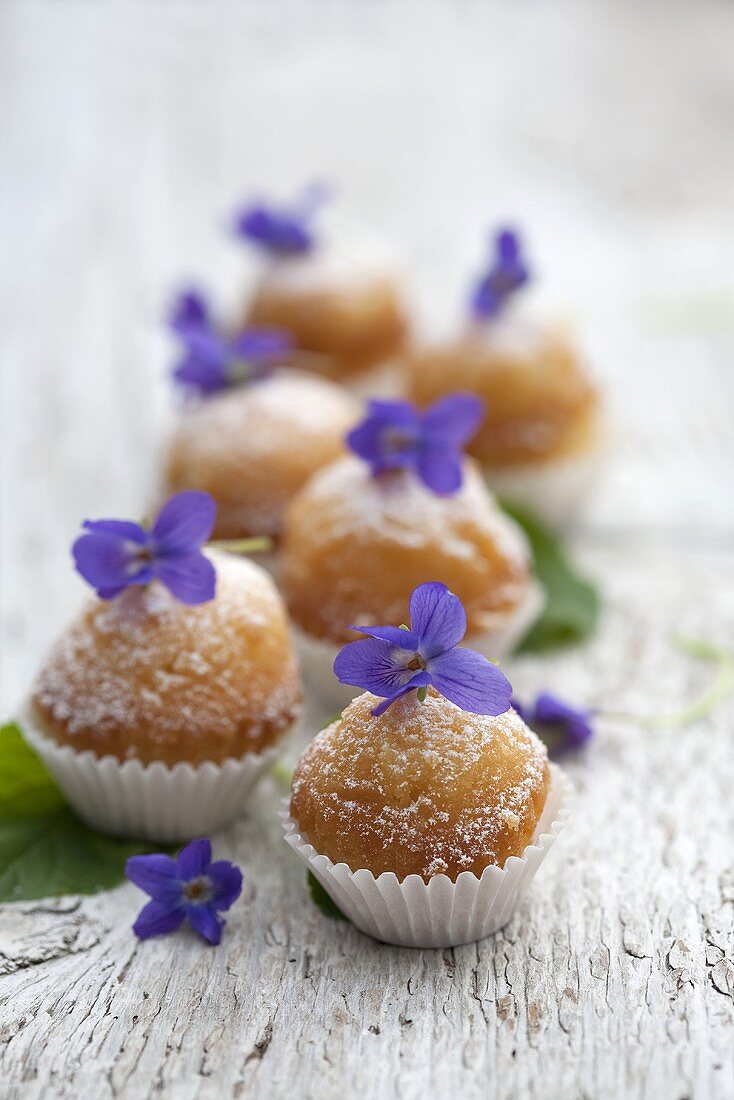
[
  {"x": 161, "y": 704},
  {"x": 253, "y": 430},
  {"x": 333, "y": 286},
  {"x": 145, "y": 677},
  {"x": 354, "y": 548},
  {"x": 423, "y": 789},
  {"x": 425, "y": 809},
  {"x": 254, "y": 447},
  {"x": 542, "y": 437},
  {"x": 357, "y": 542}
]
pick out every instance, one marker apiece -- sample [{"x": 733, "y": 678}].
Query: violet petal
[
  {"x": 184, "y": 522},
  {"x": 374, "y": 665},
  {"x": 437, "y": 617},
  {"x": 454, "y": 418},
  {"x": 440, "y": 469},
  {"x": 419, "y": 680},
  {"x": 194, "y": 859},
  {"x": 226, "y": 880},
  {"x": 156, "y": 918},
  {"x": 395, "y": 635},
  {"x": 156, "y": 874},
  {"x": 205, "y": 921},
  {"x": 109, "y": 562},
  {"x": 471, "y": 681}
]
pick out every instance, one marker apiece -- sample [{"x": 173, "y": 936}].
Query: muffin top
[
  {"x": 346, "y": 257},
  {"x": 425, "y": 789},
  {"x": 254, "y": 448},
  {"x": 355, "y": 546},
  {"x": 147, "y": 677},
  {"x": 338, "y": 295},
  {"x": 346, "y": 327},
  {"x": 531, "y": 377}
]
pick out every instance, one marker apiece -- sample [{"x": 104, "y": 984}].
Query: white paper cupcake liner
[
  {"x": 440, "y": 913},
  {"x": 553, "y": 490},
  {"x": 149, "y": 801},
  {"x": 317, "y": 655}
]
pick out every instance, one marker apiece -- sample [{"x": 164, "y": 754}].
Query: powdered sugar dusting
[
  {"x": 258, "y": 419},
  {"x": 398, "y": 507},
  {"x": 252, "y": 449},
  {"x": 355, "y": 547},
  {"x": 425, "y": 788},
  {"x": 145, "y": 676},
  {"x": 346, "y": 256},
  {"x": 516, "y": 335}
]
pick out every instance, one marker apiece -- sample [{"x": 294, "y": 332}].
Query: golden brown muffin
[
  {"x": 539, "y": 403},
  {"x": 347, "y": 328},
  {"x": 254, "y": 448},
  {"x": 354, "y": 548},
  {"x": 146, "y": 677},
  {"x": 425, "y": 789}
]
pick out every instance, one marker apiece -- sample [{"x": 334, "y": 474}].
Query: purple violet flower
[
  {"x": 507, "y": 274},
  {"x": 281, "y": 230},
  {"x": 190, "y": 886},
  {"x": 190, "y": 310},
  {"x": 212, "y": 361},
  {"x": 115, "y": 554},
  {"x": 395, "y": 435},
  {"x": 562, "y": 727},
  {"x": 394, "y": 660}
]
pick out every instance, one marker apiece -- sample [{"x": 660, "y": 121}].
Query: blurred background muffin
[
  {"x": 333, "y": 284},
  {"x": 255, "y": 429},
  {"x": 542, "y": 437},
  {"x": 404, "y": 509}
]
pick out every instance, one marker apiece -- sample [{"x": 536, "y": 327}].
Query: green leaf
[
  {"x": 571, "y": 610},
  {"x": 318, "y": 895},
  {"x": 57, "y": 854},
  {"x": 27, "y": 789},
  {"x": 45, "y": 850}
]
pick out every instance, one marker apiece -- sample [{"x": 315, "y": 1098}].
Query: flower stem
[
  {"x": 282, "y": 774},
  {"x": 259, "y": 544},
  {"x": 720, "y": 689}
]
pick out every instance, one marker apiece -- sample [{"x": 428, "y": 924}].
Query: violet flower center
[
  {"x": 397, "y": 440},
  {"x": 239, "y": 370},
  {"x": 502, "y": 282},
  {"x": 198, "y": 889},
  {"x": 139, "y": 556},
  {"x": 429, "y": 656}
]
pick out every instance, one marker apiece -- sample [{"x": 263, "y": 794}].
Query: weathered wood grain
[
  {"x": 614, "y": 979},
  {"x": 127, "y": 132}
]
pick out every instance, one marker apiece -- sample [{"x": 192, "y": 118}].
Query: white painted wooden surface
[{"x": 128, "y": 130}]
